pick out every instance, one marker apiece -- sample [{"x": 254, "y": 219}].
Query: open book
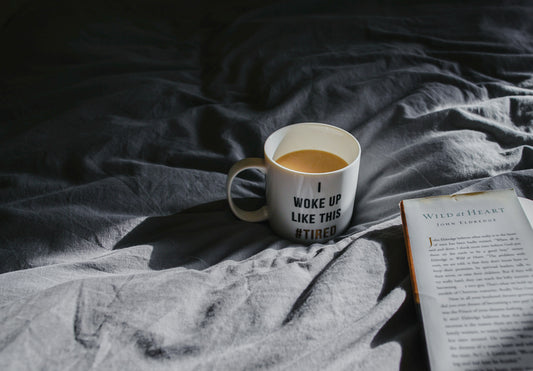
[{"x": 471, "y": 264}]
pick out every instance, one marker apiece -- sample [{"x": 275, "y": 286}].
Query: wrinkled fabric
[{"x": 120, "y": 120}]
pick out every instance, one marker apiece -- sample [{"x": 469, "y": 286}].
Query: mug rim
[{"x": 329, "y": 126}]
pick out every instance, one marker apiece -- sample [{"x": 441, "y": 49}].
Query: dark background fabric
[{"x": 120, "y": 119}]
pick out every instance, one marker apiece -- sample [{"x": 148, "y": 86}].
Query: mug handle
[{"x": 248, "y": 163}]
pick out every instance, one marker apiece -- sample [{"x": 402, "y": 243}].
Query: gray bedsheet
[{"x": 119, "y": 122}]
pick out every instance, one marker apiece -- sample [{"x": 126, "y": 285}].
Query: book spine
[{"x": 409, "y": 254}]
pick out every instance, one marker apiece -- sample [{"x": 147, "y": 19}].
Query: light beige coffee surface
[{"x": 312, "y": 161}]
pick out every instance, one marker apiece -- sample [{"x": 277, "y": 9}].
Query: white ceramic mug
[{"x": 308, "y": 207}]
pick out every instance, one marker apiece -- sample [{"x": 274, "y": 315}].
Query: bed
[{"x": 120, "y": 121}]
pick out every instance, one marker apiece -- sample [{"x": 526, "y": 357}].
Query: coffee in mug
[
  {"x": 312, "y": 161},
  {"x": 311, "y": 172}
]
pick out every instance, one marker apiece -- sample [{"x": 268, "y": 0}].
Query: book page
[
  {"x": 527, "y": 206},
  {"x": 473, "y": 261}
]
